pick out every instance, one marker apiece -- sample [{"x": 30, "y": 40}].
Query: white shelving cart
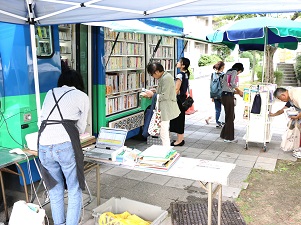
[{"x": 259, "y": 124}]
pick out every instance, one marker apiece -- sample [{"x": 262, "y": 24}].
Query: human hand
[{"x": 149, "y": 93}]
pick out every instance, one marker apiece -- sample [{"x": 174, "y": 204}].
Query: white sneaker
[
  {"x": 297, "y": 155},
  {"x": 231, "y": 141}
]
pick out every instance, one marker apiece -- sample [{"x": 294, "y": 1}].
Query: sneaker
[
  {"x": 297, "y": 155},
  {"x": 231, "y": 141},
  {"x": 296, "y": 150},
  {"x": 219, "y": 126}
]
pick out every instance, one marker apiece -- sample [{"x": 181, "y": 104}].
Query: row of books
[
  {"x": 166, "y": 63},
  {"x": 163, "y": 52},
  {"x": 122, "y": 48},
  {"x": 121, "y": 103},
  {"x": 119, "y": 82},
  {"x": 153, "y": 39},
  {"x": 108, "y": 34},
  {"x": 64, "y": 35},
  {"x": 119, "y": 63}
]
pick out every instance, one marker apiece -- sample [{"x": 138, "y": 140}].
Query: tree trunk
[
  {"x": 254, "y": 63},
  {"x": 269, "y": 67}
]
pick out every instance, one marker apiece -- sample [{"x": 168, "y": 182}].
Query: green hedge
[
  {"x": 298, "y": 67},
  {"x": 206, "y": 60}
]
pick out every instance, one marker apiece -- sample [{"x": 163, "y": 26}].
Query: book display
[
  {"x": 164, "y": 55},
  {"x": 125, "y": 66},
  {"x": 258, "y": 100},
  {"x": 44, "y": 41},
  {"x": 65, "y": 37}
]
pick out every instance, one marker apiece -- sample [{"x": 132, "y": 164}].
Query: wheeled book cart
[{"x": 259, "y": 122}]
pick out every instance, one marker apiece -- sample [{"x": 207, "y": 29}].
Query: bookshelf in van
[
  {"x": 164, "y": 55},
  {"x": 125, "y": 70}
]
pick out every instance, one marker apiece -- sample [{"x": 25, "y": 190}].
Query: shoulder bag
[
  {"x": 188, "y": 101},
  {"x": 155, "y": 123}
]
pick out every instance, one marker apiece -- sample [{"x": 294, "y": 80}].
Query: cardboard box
[{"x": 119, "y": 205}]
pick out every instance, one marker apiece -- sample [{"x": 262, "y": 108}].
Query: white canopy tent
[{"x": 51, "y": 12}]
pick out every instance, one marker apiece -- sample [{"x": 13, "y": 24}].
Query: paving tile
[
  {"x": 248, "y": 157},
  {"x": 231, "y": 192},
  {"x": 206, "y": 157},
  {"x": 179, "y": 183},
  {"x": 244, "y": 163},
  {"x": 264, "y": 166},
  {"x": 266, "y": 160},
  {"x": 157, "y": 179},
  {"x": 229, "y": 155},
  {"x": 118, "y": 171},
  {"x": 226, "y": 160},
  {"x": 137, "y": 175}
]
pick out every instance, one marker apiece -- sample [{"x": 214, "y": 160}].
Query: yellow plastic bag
[{"x": 109, "y": 218}]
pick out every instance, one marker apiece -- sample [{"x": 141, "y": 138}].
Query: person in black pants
[
  {"x": 229, "y": 87},
  {"x": 177, "y": 125}
]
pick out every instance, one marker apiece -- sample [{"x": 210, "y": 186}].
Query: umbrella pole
[{"x": 264, "y": 52}]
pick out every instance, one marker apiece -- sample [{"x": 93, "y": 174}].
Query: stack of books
[
  {"x": 86, "y": 139},
  {"x": 158, "y": 157}
]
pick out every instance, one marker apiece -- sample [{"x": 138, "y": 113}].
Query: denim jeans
[
  {"x": 59, "y": 159},
  {"x": 218, "y": 108}
]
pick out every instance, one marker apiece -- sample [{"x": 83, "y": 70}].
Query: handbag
[
  {"x": 148, "y": 116},
  {"x": 188, "y": 101},
  {"x": 26, "y": 214},
  {"x": 155, "y": 123},
  {"x": 291, "y": 137}
]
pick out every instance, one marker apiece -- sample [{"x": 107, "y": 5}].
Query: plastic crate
[{"x": 148, "y": 212}]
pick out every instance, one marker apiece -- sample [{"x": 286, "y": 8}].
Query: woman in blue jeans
[{"x": 64, "y": 116}]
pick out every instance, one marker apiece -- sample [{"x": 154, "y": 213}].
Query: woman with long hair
[{"x": 177, "y": 125}]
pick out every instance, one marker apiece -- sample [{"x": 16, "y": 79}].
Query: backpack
[{"x": 216, "y": 86}]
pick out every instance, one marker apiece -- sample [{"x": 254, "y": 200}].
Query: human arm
[
  {"x": 279, "y": 112},
  {"x": 238, "y": 91},
  {"x": 178, "y": 86},
  {"x": 83, "y": 106}
]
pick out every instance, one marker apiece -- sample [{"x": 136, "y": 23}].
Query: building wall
[{"x": 197, "y": 26}]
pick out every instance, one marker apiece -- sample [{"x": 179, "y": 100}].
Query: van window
[{"x": 44, "y": 43}]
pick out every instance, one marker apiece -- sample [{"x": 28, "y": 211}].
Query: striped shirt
[{"x": 74, "y": 106}]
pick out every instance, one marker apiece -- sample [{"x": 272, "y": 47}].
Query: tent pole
[
  {"x": 264, "y": 52},
  {"x": 35, "y": 69},
  {"x": 34, "y": 56}
]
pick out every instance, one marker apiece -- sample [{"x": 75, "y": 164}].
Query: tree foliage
[{"x": 270, "y": 51}]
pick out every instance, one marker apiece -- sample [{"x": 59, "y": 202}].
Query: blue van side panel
[
  {"x": 15, "y": 49},
  {"x": 100, "y": 78}
]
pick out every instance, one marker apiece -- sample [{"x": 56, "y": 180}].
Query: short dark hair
[
  {"x": 71, "y": 78},
  {"x": 238, "y": 67},
  {"x": 279, "y": 91},
  {"x": 153, "y": 67}
]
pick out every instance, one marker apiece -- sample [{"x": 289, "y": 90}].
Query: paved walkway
[{"x": 201, "y": 141}]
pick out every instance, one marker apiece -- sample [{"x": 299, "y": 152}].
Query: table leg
[
  {"x": 3, "y": 196},
  {"x": 209, "y": 203},
  {"x": 98, "y": 183},
  {"x": 24, "y": 181},
  {"x": 219, "y": 213}
]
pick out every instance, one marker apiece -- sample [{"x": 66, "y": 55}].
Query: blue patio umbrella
[{"x": 255, "y": 33}]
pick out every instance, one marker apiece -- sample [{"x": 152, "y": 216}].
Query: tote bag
[
  {"x": 155, "y": 123},
  {"x": 291, "y": 137},
  {"x": 26, "y": 214},
  {"x": 148, "y": 116}
]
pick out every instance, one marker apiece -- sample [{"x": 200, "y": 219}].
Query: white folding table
[{"x": 204, "y": 171}]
